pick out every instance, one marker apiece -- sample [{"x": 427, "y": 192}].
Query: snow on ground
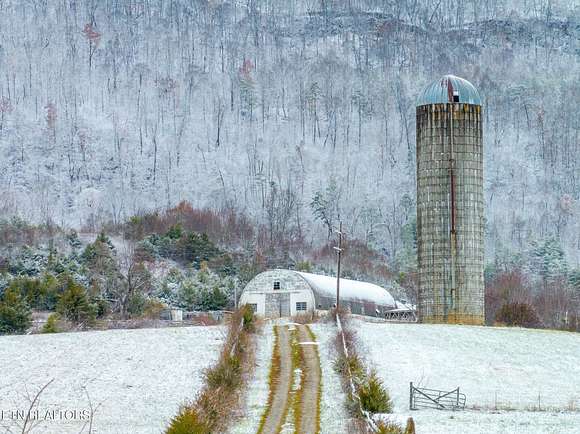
[
  {"x": 333, "y": 414},
  {"x": 138, "y": 377},
  {"x": 258, "y": 387},
  {"x": 507, "y": 366}
]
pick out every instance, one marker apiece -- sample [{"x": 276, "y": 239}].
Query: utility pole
[{"x": 339, "y": 254}]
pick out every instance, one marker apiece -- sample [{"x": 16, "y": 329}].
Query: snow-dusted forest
[{"x": 281, "y": 108}]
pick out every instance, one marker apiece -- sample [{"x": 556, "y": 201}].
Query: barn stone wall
[{"x": 451, "y": 288}]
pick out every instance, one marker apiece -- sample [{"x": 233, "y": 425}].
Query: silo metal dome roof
[{"x": 449, "y": 88}]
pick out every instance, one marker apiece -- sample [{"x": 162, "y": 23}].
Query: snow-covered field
[
  {"x": 333, "y": 413},
  {"x": 138, "y": 378},
  {"x": 508, "y": 367}
]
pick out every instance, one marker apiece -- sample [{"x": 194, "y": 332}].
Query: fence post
[{"x": 411, "y": 395}]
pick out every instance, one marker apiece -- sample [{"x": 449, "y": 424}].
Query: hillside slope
[{"x": 111, "y": 108}]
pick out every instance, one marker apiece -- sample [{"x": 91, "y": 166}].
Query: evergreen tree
[
  {"x": 175, "y": 232},
  {"x": 205, "y": 291},
  {"x": 547, "y": 259},
  {"x": 51, "y": 325},
  {"x": 15, "y": 315},
  {"x": 212, "y": 299},
  {"x": 99, "y": 258},
  {"x": 74, "y": 304}
]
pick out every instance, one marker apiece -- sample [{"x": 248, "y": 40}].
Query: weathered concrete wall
[{"x": 451, "y": 288}]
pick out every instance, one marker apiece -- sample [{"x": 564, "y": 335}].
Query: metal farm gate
[{"x": 437, "y": 399}]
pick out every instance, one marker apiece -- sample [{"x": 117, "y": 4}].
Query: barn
[{"x": 282, "y": 293}]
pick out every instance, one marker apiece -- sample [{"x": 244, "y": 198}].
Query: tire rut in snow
[
  {"x": 278, "y": 408},
  {"x": 310, "y": 405},
  {"x": 294, "y": 403}
]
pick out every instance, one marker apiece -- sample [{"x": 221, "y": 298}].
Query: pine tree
[
  {"x": 15, "y": 315},
  {"x": 74, "y": 304},
  {"x": 547, "y": 259},
  {"x": 103, "y": 271},
  {"x": 51, "y": 325}
]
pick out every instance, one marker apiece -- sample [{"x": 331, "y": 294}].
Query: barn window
[
  {"x": 300, "y": 306},
  {"x": 455, "y": 96},
  {"x": 276, "y": 285},
  {"x": 254, "y": 307}
]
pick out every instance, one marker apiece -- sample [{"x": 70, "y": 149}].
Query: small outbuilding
[{"x": 283, "y": 293}]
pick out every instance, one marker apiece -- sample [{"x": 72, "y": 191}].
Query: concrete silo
[{"x": 450, "y": 203}]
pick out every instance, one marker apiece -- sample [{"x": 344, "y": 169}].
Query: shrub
[
  {"x": 153, "y": 309},
  {"x": 49, "y": 290},
  {"x": 304, "y": 266},
  {"x": 100, "y": 305},
  {"x": 40, "y": 293},
  {"x": 226, "y": 375},
  {"x": 343, "y": 363},
  {"x": 389, "y": 427},
  {"x": 74, "y": 304},
  {"x": 188, "y": 421},
  {"x": 373, "y": 396},
  {"x": 212, "y": 409},
  {"x": 175, "y": 232},
  {"x": 212, "y": 299},
  {"x": 51, "y": 325},
  {"x": 15, "y": 315},
  {"x": 410, "y": 428},
  {"x": 306, "y": 318},
  {"x": 248, "y": 315},
  {"x": 518, "y": 314},
  {"x": 136, "y": 304}
]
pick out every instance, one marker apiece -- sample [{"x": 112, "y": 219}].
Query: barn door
[
  {"x": 277, "y": 305},
  {"x": 272, "y": 305},
  {"x": 284, "y": 304}
]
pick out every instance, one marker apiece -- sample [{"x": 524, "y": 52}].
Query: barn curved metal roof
[
  {"x": 449, "y": 88},
  {"x": 351, "y": 290}
]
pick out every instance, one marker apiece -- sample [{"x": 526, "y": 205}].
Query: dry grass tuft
[
  {"x": 214, "y": 407},
  {"x": 370, "y": 396},
  {"x": 306, "y": 318}
]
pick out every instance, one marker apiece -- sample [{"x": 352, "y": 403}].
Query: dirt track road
[
  {"x": 310, "y": 408},
  {"x": 294, "y": 400},
  {"x": 276, "y": 412}
]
